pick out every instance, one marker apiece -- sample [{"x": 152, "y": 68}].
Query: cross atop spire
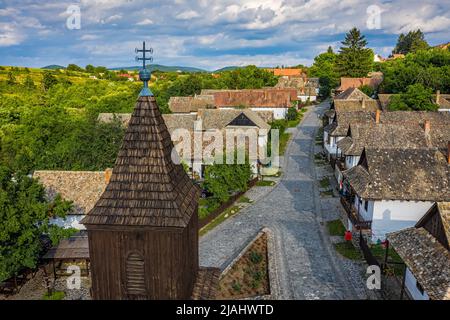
[{"x": 144, "y": 74}]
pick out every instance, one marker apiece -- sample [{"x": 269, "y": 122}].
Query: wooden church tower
[{"x": 143, "y": 231}]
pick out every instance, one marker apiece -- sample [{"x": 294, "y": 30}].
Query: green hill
[{"x": 53, "y": 67}]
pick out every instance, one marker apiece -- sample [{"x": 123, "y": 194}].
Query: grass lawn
[
  {"x": 328, "y": 193},
  {"x": 379, "y": 252},
  {"x": 284, "y": 138},
  {"x": 244, "y": 199},
  {"x": 222, "y": 217},
  {"x": 335, "y": 228},
  {"x": 325, "y": 183},
  {"x": 276, "y": 175},
  {"x": 264, "y": 183},
  {"x": 347, "y": 250},
  {"x": 56, "y": 295}
]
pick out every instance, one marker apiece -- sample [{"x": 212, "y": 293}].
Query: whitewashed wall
[
  {"x": 71, "y": 221},
  {"x": 395, "y": 215},
  {"x": 410, "y": 284},
  {"x": 305, "y": 98},
  {"x": 278, "y": 113},
  {"x": 351, "y": 161}
]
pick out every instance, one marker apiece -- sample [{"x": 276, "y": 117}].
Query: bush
[
  {"x": 292, "y": 114},
  {"x": 55, "y": 295}
]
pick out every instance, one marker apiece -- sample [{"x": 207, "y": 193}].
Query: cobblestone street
[{"x": 306, "y": 263}]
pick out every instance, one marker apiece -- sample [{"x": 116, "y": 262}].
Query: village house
[
  {"x": 191, "y": 104},
  {"x": 205, "y": 123},
  {"x": 373, "y": 80},
  {"x": 286, "y": 72},
  {"x": 350, "y": 100},
  {"x": 425, "y": 250},
  {"x": 337, "y": 129},
  {"x": 391, "y": 189},
  {"x": 371, "y": 135},
  {"x": 83, "y": 188},
  {"x": 306, "y": 90},
  {"x": 398, "y": 129},
  {"x": 275, "y": 100}
]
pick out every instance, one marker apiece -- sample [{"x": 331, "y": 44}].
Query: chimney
[
  {"x": 438, "y": 96},
  {"x": 427, "y": 127},
  {"x": 108, "y": 173},
  {"x": 448, "y": 152},
  {"x": 377, "y": 116}
]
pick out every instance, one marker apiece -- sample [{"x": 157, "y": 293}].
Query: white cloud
[
  {"x": 187, "y": 15},
  {"x": 144, "y": 22},
  {"x": 10, "y": 35},
  {"x": 89, "y": 37}
]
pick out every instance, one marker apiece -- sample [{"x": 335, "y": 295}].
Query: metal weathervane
[{"x": 144, "y": 74}]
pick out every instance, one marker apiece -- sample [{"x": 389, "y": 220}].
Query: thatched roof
[
  {"x": 427, "y": 259},
  {"x": 401, "y": 174},
  {"x": 146, "y": 188}
]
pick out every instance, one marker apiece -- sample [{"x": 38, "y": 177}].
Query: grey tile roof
[
  {"x": 383, "y": 136},
  {"x": 83, "y": 188},
  {"x": 356, "y": 105},
  {"x": 427, "y": 259},
  {"x": 401, "y": 174},
  {"x": 351, "y": 94}
]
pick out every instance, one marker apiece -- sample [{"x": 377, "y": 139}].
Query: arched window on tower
[{"x": 135, "y": 276}]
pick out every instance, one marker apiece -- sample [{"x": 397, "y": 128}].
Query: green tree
[
  {"x": 411, "y": 42},
  {"x": 324, "y": 68},
  {"x": 49, "y": 80},
  {"x": 368, "y": 90},
  {"x": 292, "y": 114},
  {"x": 74, "y": 67},
  {"x": 11, "y": 80},
  {"x": 416, "y": 98},
  {"x": 223, "y": 180},
  {"x": 25, "y": 214},
  {"x": 90, "y": 68},
  {"x": 354, "y": 59},
  {"x": 29, "y": 83}
]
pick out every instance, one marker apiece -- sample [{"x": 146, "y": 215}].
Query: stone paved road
[{"x": 306, "y": 264}]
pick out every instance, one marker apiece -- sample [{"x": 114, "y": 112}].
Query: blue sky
[{"x": 209, "y": 34}]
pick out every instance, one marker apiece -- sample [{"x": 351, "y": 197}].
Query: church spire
[{"x": 144, "y": 73}]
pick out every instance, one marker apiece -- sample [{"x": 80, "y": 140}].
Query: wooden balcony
[
  {"x": 340, "y": 163},
  {"x": 357, "y": 221}
]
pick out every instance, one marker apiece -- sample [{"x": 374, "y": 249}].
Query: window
[
  {"x": 420, "y": 288},
  {"x": 366, "y": 205},
  {"x": 135, "y": 279}
]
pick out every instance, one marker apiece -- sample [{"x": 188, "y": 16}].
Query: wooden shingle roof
[{"x": 146, "y": 187}]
